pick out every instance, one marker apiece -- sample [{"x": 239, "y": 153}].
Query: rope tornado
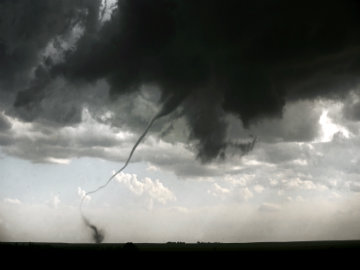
[{"x": 97, "y": 234}]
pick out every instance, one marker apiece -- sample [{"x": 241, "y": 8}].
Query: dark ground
[
  {"x": 305, "y": 246},
  {"x": 327, "y": 252}
]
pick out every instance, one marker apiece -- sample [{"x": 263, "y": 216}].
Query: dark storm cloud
[
  {"x": 208, "y": 127},
  {"x": 59, "y": 103},
  {"x": 4, "y": 123},
  {"x": 351, "y": 108},
  {"x": 353, "y": 112},
  {"x": 299, "y": 123},
  {"x": 26, "y": 27},
  {"x": 54, "y": 102},
  {"x": 211, "y": 57}
]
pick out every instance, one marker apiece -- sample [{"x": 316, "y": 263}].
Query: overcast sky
[{"x": 259, "y": 134}]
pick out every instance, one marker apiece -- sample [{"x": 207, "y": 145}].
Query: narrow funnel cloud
[{"x": 168, "y": 107}]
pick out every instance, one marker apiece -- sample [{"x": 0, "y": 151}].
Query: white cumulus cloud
[
  {"x": 82, "y": 194},
  {"x": 246, "y": 194},
  {"x": 269, "y": 207},
  {"x": 56, "y": 201},
  {"x": 148, "y": 187},
  {"x": 218, "y": 191},
  {"x": 12, "y": 201},
  {"x": 258, "y": 188}
]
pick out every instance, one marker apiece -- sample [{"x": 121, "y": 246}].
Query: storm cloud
[
  {"x": 26, "y": 28},
  {"x": 207, "y": 58}
]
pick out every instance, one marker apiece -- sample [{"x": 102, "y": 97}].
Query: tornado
[
  {"x": 169, "y": 105},
  {"x": 97, "y": 234}
]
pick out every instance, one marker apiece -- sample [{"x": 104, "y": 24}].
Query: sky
[{"x": 257, "y": 137}]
